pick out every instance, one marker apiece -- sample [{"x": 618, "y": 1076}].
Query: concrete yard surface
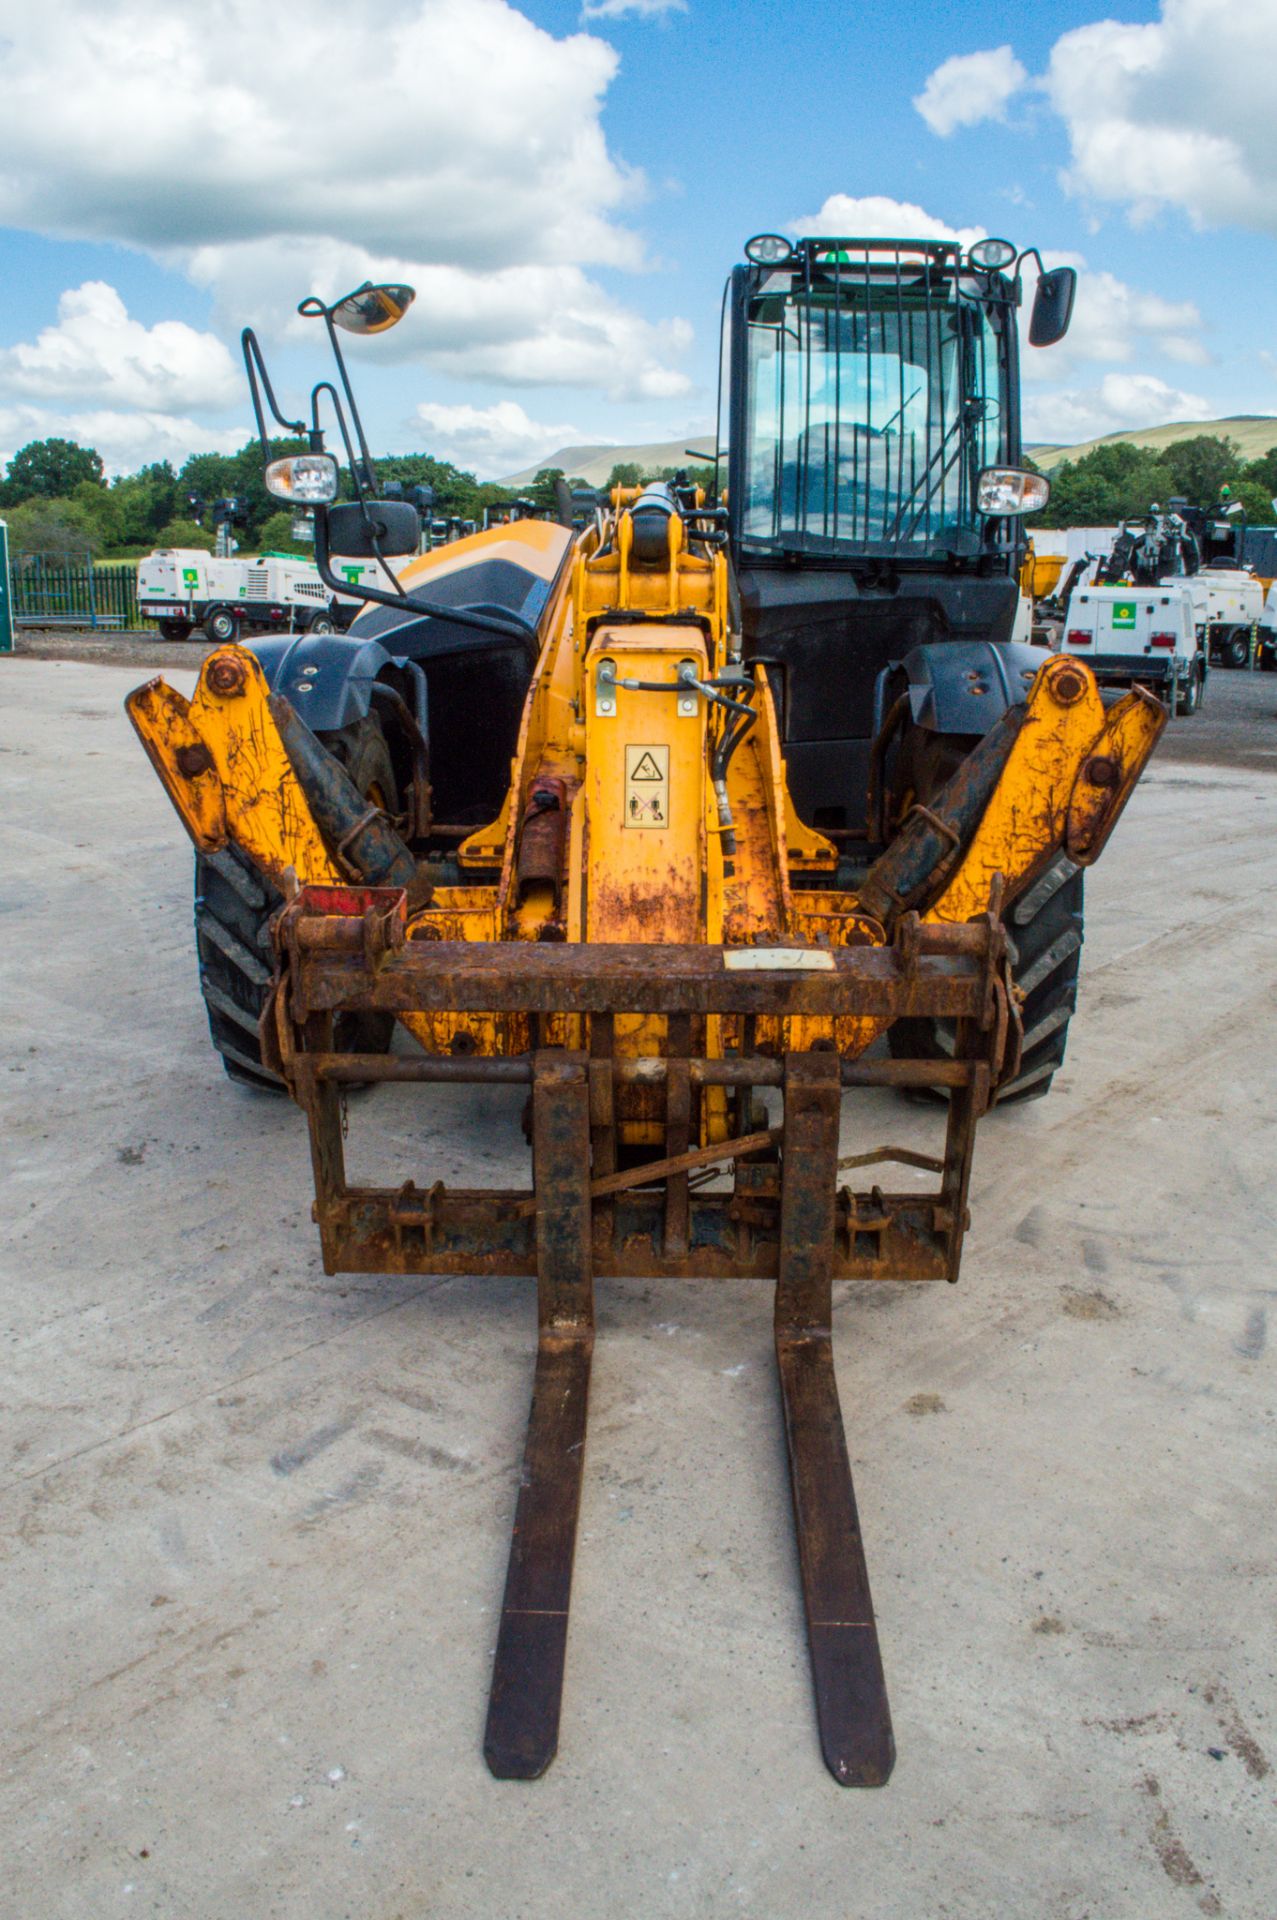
[{"x": 255, "y": 1521}]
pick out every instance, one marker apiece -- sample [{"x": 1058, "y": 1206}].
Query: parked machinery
[
  {"x": 185, "y": 589},
  {"x": 665, "y": 819},
  {"x": 1228, "y": 598},
  {"x": 1137, "y": 625}
]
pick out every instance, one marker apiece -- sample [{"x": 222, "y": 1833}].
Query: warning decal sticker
[{"x": 647, "y": 787}]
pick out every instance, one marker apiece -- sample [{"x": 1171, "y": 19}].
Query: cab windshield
[{"x": 872, "y": 401}]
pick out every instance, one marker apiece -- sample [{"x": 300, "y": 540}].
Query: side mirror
[
  {"x": 371, "y": 309},
  {"x": 1052, "y": 307},
  {"x": 396, "y": 524}
]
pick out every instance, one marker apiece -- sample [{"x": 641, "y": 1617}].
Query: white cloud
[
  {"x": 1176, "y": 113},
  {"x": 1112, "y": 322},
  {"x": 529, "y": 325},
  {"x": 453, "y": 129},
  {"x": 491, "y": 440},
  {"x": 1119, "y": 401},
  {"x": 469, "y": 153},
  {"x": 96, "y": 352},
  {"x": 876, "y": 217},
  {"x": 126, "y": 440},
  {"x": 969, "y": 88},
  {"x": 645, "y": 9}
]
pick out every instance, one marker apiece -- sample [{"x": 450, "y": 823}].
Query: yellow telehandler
[{"x": 689, "y": 821}]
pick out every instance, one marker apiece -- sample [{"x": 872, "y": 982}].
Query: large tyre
[
  {"x": 233, "y": 910},
  {"x": 321, "y": 623},
  {"x": 1044, "y": 925},
  {"x": 1045, "y": 931},
  {"x": 174, "y": 629},
  {"x": 1190, "y": 696}
]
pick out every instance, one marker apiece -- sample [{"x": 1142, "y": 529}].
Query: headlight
[
  {"x": 303, "y": 479},
  {"x": 991, "y": 254},
  {"x": 1011, "y": 490}
]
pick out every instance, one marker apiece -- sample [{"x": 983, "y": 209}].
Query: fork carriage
[{"x": 786, "y": 1216}]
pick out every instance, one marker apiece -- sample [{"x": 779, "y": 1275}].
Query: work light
[
  {"x": 768, "y": 249},
  {"x": 1001, "y": 490},
  {"x": 303, "y": 479},
  {"x": 991, "y": 254}
]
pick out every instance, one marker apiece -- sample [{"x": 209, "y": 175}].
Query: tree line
[
  {"x": 57, "y": 499},
  {"x": 1117, "y": 480}
]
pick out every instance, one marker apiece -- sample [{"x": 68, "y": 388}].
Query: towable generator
[{"x": 689, "y": 823}]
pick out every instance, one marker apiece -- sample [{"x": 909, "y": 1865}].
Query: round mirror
[{"x": 371, "y": 309}]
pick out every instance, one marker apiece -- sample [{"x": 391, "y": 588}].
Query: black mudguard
[
  {"x": 960, "y": 686},
  {"x": 329, "y": 677}
]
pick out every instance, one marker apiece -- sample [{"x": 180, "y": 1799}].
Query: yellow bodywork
[
  {"x": 1040, "y": 574},
  {"x": 646, "y": 857}
]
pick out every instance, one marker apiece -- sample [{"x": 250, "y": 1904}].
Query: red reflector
[
  {"x": 1162, "y": 640},
  {"x": 1079, "y": 637}
]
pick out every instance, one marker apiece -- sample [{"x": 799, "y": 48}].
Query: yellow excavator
[{"x": 691, "y": 821}]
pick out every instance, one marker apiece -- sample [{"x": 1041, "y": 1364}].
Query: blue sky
[{"x": 568, "y": 193}]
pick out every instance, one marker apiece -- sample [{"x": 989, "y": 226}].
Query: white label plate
[{"x": 778, "y": 959}]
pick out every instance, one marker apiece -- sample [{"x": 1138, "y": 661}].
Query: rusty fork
[
  {"x": 527, "y": 1684},
  {"x": 851, "y": 1690}
]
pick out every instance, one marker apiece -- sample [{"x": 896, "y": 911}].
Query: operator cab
[{"x": 869, "y": 437}]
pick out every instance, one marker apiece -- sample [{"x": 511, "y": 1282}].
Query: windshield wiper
[{"x": 936, "y": 486}]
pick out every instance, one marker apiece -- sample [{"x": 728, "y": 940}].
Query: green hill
[
  {"x": 594, "y": 463},
  {"x": 1253, "y": 433}
]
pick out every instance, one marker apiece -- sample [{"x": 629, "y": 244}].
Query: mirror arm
[
  {"x": 1029, "y": 253},
  {"x": 326, "y": 386},
  {"x": 400, "y": 602},
  {"x": 351, "y": 402},
  {"x": 255, "y": 364}
]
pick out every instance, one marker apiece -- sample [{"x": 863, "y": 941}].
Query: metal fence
[{"x": 70, "y": 590}]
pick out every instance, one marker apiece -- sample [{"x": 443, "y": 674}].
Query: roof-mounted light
[
  {"x": 991, "y": 255},
  {"x": 768, "y": 250}
]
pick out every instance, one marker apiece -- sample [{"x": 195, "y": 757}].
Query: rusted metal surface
[
  {"x": 543, "y": 840},
  {"x": 931, "y": 841},
  {"x": 516, "y": 1070},
  {"x": 946, "y": 972},
  {"x": 366, "y": 845},
  {"x": 186, "y": 770},
  {"x": 1108, "y": 778},
  {"x": 527, "y": 1682},
  {"x": 226, "y": 674},
  {"x": 851, "y": 1690},
  {"x": 1044, "y": 803},
  {"x": 343, "y": 950}
]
